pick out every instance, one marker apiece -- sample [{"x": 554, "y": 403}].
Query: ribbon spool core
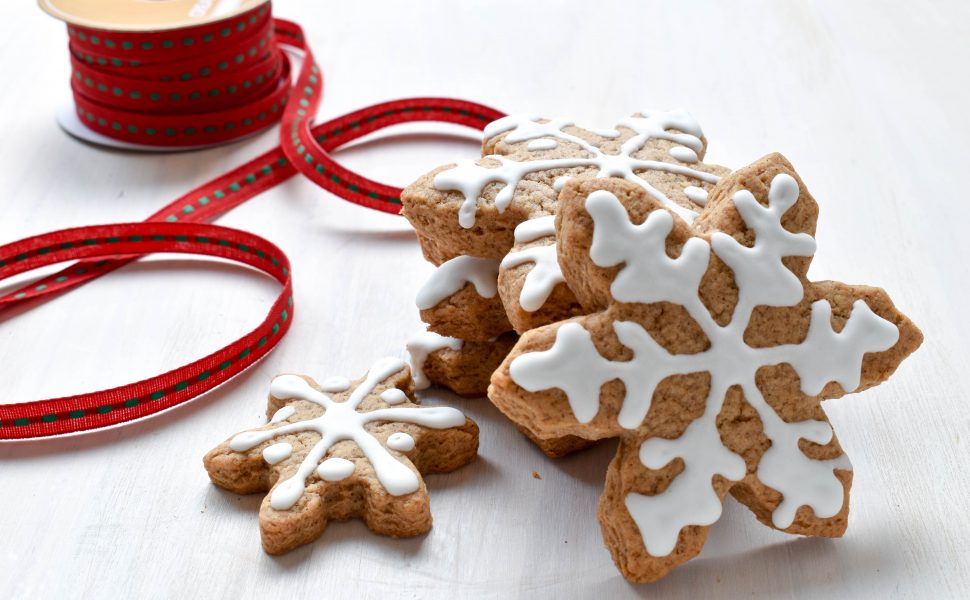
[{"x": 139, "y": 15}]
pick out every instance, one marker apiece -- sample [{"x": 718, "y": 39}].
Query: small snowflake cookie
[
  {"x": 706, "y": 350},
  {"x": 341, "y": 450},
  {"x": 489, "y": 224}
]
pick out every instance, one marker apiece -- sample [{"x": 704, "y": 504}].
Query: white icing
[
  {"x": 277, "y": 453},
  {"x": 423, "y": 345},
  {"x": 684, "y": 154},
  {"x": 560, "y": 182},
  {"x": 530, "y": 129},
  {"x": 542, "y": 144},
  {"x": 507, "y": 123},
  {"x": 401, "y": 442},
  {"x": 393, "y": 396},
  {"x": 342, "y": 421},
  {"x": 535, "y": 229},
  {"x": 545, "y": 274},
  {"x": 451, "y": 277},
  {"x": 282, "y": 414},
  {"x": 649, "y": 275},
  {"x": 336, "y": 469},
  {"x": 335, "y": 384},
  {"x": 697, "y": 195},
  {"x": 470, "y": 178},
  {"x": 607, "y": 133}
]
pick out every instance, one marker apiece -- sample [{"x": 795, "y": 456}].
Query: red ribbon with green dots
[
  {"x": 196, "y": 86},
  {"x": 180, "y": 226},
  {"x": 136, "y": 400}
]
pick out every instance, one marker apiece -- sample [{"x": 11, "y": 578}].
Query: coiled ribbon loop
[{"x": 178, "y": 70}]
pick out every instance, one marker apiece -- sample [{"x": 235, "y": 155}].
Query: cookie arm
[
  {"x": 531, "y": 284},
  {"x": 762, "y": 500},
  {"x": 467, "y": 315},
  {"x": 444, "y": 450},
  {"x": 361, "y": 495},
  {"x": 789, "y": 325},
  {"x": 626, "y": 475},
  {"x": 241, "y": 473}
]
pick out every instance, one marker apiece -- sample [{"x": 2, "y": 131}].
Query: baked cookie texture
[
  {"x": 340, "y": 450},
  {"x": 707, "y": 351},
  {"x": 461, "y": 300},
  {"x": 462, "y": 366},
  {"x": 489, "y": 224},
  {"x": 473, "y": 207}
]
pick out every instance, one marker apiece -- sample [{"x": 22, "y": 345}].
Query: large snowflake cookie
[
  {"x": 340, "y": 450},
  {"x": 707, "y": 351},
  {"x": 489, "y": 223}
]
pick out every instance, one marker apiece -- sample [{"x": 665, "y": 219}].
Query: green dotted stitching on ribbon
[{"x": 154, "y": 396}]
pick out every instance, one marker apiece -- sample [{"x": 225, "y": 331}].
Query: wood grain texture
[{"x": 867, "y": 99}]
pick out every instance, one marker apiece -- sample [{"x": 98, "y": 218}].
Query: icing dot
[
  {"x": 683, "y": 154},
  {"x": 401, "y": 442},
  {"x": 560, "y": 183},
  {"x": 277, "y": 453},
  {"x": 393, "y": 396},
  {"x": 335, "y": 469},
  {"x": 542, "y": 144},
  {"x": 282, "y": 414},
  {"x": 335, "y": 384},
  {"x": 288, "y": 386},
  {"x": 696, "y": 195}
]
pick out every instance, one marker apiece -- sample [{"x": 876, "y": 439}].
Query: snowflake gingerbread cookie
[
  {"x": 342, "y": 450},
  {"x": 489, "y": 223},
  {"x": 707, "y": 351}
]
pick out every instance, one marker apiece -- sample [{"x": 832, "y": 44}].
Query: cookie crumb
[{"x": 535, "y": 475}]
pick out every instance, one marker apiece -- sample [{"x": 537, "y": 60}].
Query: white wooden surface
[{"x": 869, "y": 101}]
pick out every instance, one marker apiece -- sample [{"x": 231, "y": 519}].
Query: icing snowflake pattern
[
  {"x": 343, "y": 421},
  {"x": 470, "y": 178},
  {"x": 545, "y": 275},
  {"x": 649, "y": 275}
]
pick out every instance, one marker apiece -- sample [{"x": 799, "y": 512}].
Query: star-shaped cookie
[
  {"x": 340, "y": 450},
  {"x": 707, "y": 351}
]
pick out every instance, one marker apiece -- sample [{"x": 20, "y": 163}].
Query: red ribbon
[
  {"x": 178, "y": 226},
  {"x": 201, "y": 85},
  {"x": 109, "y": 407}
]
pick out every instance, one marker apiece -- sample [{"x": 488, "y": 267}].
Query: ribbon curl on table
[{"x": 178, "y": 227}]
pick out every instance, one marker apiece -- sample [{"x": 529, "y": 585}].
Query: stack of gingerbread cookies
[
  {"x": 488, "y": 226},
  {"x": 610, "y": 284}
]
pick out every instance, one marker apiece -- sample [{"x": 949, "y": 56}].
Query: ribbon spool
[
  {"x": 173, "y": 87},
  {"x": 179, "y": 226}
]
